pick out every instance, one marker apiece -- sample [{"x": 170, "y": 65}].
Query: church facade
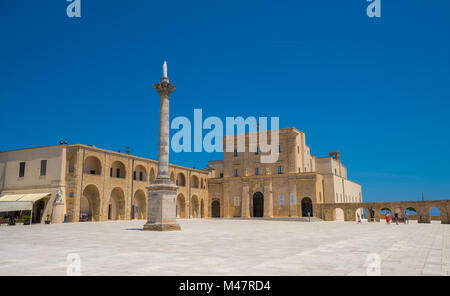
[{"x": 241, "y": 185}]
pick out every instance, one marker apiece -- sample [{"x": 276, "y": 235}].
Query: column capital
[{"x": 164, "y": 88}]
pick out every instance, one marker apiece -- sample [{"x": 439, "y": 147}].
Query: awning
[
  {"x": 20, "y": 202},
  {"x": 12, "y": 206}
]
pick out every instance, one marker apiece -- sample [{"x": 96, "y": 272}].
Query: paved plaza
[{"x": 227, "y": 247}]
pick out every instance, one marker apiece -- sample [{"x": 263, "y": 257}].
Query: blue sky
[{"x": 377, "y": 90}]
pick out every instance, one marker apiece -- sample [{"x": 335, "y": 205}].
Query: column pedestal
[{"x": 162, "y": 206}]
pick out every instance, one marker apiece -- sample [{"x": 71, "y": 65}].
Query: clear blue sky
[{"x": 375, "y": 89}]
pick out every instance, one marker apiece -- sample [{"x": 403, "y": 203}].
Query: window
[
  {"x": 257, "y": 150},
  {"x": 257, "y": 171},
  {"x": 320, "y": 195},
  {"x": 292, "y": 197},
  {"x": 141, "y": 176},
  {"x": 134, "y": 175},
  {"x": 235, "y": 152},
  {"x": 22, "y": 170},
  {"x": 236, "y": 173},
  {"x": 281, "y": 200},
  {"x": 236, "y": 201},
  {"x": 221, "y": 175},
  {"x": 118, "y": 173},
  {"x": 279, "y": 148},
  {"x": 280, "y": 169},
  {"x": 43, "y": 167},
  {"x": 110, "y": 172},
  {"x": 92, "y": 172}
]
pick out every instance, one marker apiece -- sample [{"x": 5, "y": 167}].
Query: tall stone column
[{"x": 162, "y": 193}]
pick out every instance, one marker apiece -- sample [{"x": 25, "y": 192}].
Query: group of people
[
  {"x": 388, "y": 218},
  {"x": 396, "y": 218}
]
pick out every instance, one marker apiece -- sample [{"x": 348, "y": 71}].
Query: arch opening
[
  {"x": 92, "y": 166},
  {"x": 139, "y": 205},
  {"x": 118, "y": 170},
  {"x": 140, "y": 173},
  {"x": 181, "y": 206},
  {"x": 90, "y": 204},
  {"x": 338, "y": 214},
  {"x": 194, "y": 207},
  {"x": 181, "y": 180},
  {"x": 307, "y": 207},
  {"x": 116, "y": 205}
]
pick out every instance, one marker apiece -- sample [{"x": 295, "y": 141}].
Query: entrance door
[
  {"x": 307, "y": 209},
  {"x": 215, "y": 209},
  {"x": 258, "y": 204}
]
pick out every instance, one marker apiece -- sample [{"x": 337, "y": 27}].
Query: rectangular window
[
  {"x": 134, "y": 175},
  {"x": 110, "y": 172},
  {"x": 92, "y": 172},
  {"x": 22, "y": 170},
  {"x": 141, "y": 176},
  {"x": 221, "y": 175},
  {"x": 292, "y": 197},
  {"x": 281, "y": 200},
  {"x": 280, "y": 169},
  {"x": 257, "y": 171},
  {"x": 236, "y": 173},
  {"x": 43, "y": 167},
  {"x": 236, "y": 201},
  {"x": 257, "y": 150},
  {"x": 235, "y": 152},
  {"x": 279, "y": 148},
  {"x": 118, "y": 173}
]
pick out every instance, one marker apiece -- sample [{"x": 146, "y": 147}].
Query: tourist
[
  {"x": 388, "y": 218},
  {"x": 396, "y": 218},
  {"x": 406, "y": 218},
  {"x": 358, "y": 217}
]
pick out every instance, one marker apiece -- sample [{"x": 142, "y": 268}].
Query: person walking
[
  {"x": 358, "y": 218},
  {"x": 388, "y": 217},
  {"x": 406, "y": 218},
  {"x": 396, "y": 217}
]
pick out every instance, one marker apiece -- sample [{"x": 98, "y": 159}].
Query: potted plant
[
  {"x": 26, "y": 220},
  {"x": 48, "y": 219}
]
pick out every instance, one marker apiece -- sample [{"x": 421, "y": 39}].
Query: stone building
[
  {"x": 96, "y": 184},
  {"x": 241, "y": 185}
]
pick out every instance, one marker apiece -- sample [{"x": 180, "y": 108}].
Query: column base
[{"x": 161, "y": 227}]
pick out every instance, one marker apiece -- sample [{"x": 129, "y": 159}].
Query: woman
[{"x": 388, "y": 217}]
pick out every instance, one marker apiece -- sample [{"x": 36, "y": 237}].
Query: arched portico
[
  {"x": 140, "y": 205},
  {"x": 181, "y": 206},
  {"x": 92, "y": 166},
  {"x": 116, "y": 205},
  {"x": 195, "y": 208},
  {"x": 90, "y": 203}
]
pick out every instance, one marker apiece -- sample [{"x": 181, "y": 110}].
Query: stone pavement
[{"x": 227, "y": 247}]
